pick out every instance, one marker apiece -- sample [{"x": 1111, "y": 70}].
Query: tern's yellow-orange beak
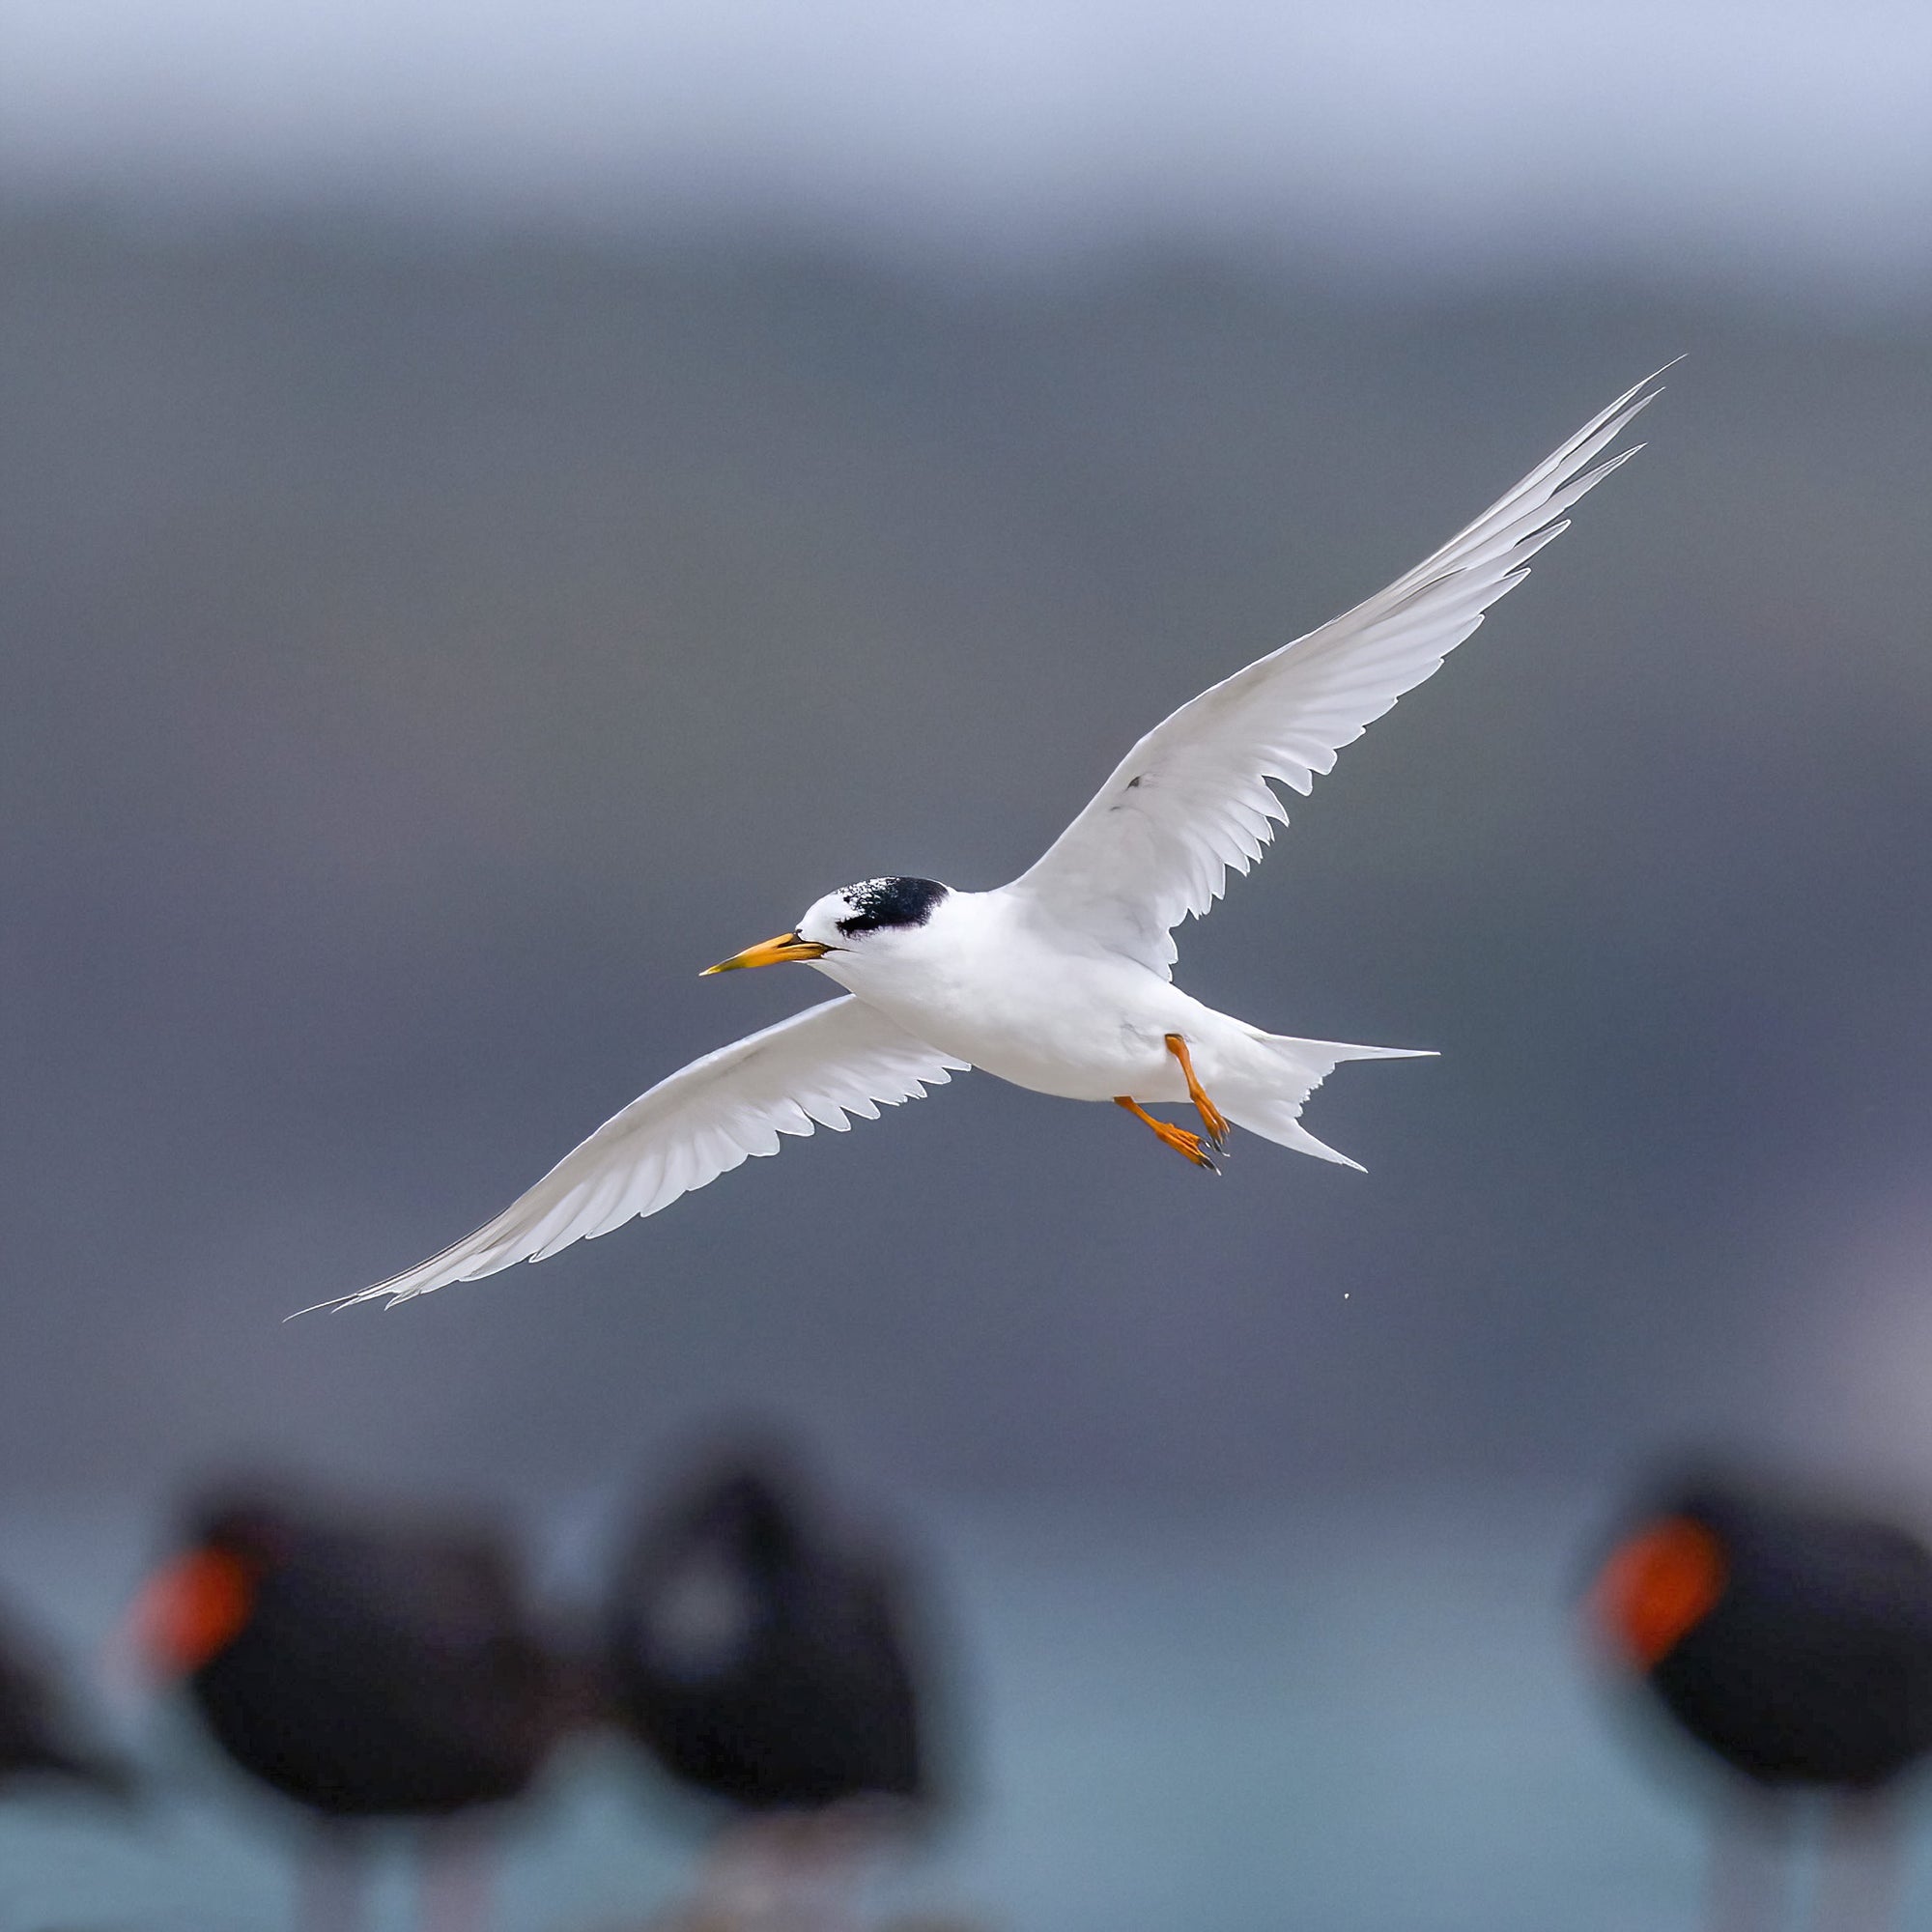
[{"x": 770, "y": 953}]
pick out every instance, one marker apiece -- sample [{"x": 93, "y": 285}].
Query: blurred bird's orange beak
[
  {"x": 191, "y": 1611},
  {"x": 1658, "y": 1588},
  {"x": 770, "y": 953}
]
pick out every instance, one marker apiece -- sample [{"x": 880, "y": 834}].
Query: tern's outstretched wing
[
  {"x": 1193, "y": 797},
  {"x": 811, "y": 1071}
]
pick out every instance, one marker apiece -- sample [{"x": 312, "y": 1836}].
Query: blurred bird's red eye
[
  {"x": 193, "y": 1610},
  {"x": 1658, "y": 1588}
]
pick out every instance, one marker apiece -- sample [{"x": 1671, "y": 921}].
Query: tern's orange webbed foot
[
  {"x": 1212, "y": 1116},
  {"x": 1178, "y": 1138}
]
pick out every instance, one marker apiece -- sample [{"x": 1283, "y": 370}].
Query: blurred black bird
[
  {"x": 366, "y": 1668},
  {"x": 40, "y": 1738},
  {"x": 1792, "y": 1639},
  {"x": 763, "y": 1654}
]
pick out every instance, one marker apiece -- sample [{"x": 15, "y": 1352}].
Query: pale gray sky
[{"x": 1736, "y": 141}]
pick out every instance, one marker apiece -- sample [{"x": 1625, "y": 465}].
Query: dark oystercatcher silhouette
[
  {"x": 762, "y": 1652},
  {"x": 366, "y": 1668},
  {"x": 1790, "y": 1638},
  {"x": 41, "y": 1742}
]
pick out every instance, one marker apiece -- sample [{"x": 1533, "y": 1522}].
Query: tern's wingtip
[
  {"x": 335, "y": 1306},
  {"x": 314, "y": 1308}
]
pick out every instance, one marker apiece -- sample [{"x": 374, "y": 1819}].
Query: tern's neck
[{"x": 893, "y": 963}]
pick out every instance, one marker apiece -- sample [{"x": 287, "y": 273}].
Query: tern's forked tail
[{"x": 1274, "y": 1111}]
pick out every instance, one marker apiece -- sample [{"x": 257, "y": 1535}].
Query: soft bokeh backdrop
[{"x": 501, "y": 508}]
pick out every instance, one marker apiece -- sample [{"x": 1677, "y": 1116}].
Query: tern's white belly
[
  {"x": 1081, "y": 1026},
  {"x": 1066, "y": 1047}
]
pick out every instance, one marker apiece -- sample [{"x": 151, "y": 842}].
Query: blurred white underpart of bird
[{"x": 1061, "y": 981}]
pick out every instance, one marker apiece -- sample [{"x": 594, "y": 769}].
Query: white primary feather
[
  {"x": 812, "y": 1071},
  {"x": 1193, "y": 798}
]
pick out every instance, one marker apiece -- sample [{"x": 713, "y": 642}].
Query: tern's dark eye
[{"x": 883, "y": 902}]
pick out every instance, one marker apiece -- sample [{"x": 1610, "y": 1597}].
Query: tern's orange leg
[
  {"x": 1212, "y": 1116},
  {"x": 1175, "y": 1137}
]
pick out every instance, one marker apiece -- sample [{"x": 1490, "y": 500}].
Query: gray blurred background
[{"x": 503, "y": 505}]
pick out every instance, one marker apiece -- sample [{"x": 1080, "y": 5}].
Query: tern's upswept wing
[
  {"x": 1193, "y": 797},
  {"x": 813, "y": 1069}
]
